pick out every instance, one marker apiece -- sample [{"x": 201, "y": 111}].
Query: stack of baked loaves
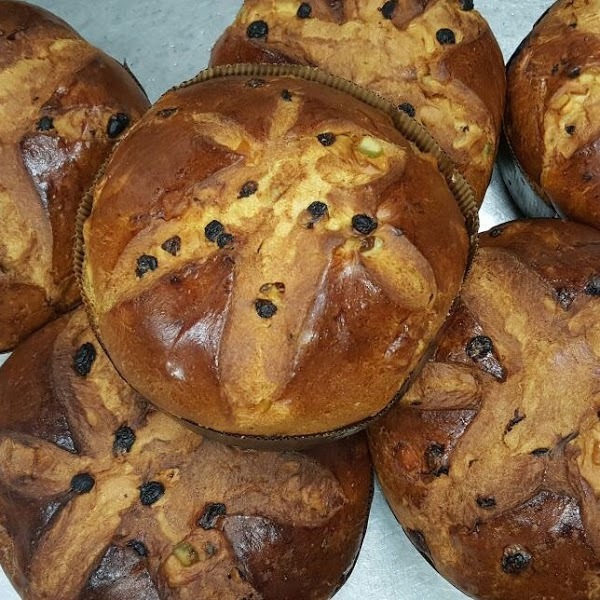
[{"x": 270, "y": 258}]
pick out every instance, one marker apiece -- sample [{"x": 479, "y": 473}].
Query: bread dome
[
  {"x": 103, "y": 498},
  {"x": 63, "y": 103},
  {"x": 490, "y": 462},
  {"x": 437, "y": 60},
  {"x": 553, "y": 114},
  {"x": 285, "y": 233}
]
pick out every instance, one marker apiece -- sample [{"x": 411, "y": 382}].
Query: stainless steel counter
[{"x": 165, "y": 43}]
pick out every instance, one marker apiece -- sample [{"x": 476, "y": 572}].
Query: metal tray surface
[{"x": 165, "y": 43}]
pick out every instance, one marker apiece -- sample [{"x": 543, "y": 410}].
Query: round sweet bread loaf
[
  {"x": 103, "y": 498},
  {"x": 63, "y": 103},
  {"x": 491, "y": 460},
  {"x": 437, "y": 60},
  {"x": 287, "y": 233},
  {"x": 553, "y": 114}
]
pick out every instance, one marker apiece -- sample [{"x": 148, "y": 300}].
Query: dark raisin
[
  {"x": 408, "y": 108},
  {"x": 587, "y": 177},
  {"x": 486, "y": 502},
  {"x": 570, "y": 129},
  {"x": 564, "y": 298},
  {"x": 317, "y": 209},
  {"x": 445, "y": 36},
  {"x": 45, "y": 124},
  {"x": 286, "y": 95},
  {"x": 466, "y": 4},
  {"x": 555, "y": 69},
  {"x": 138, "y": 547},
  {"x": 84, "y": 359},
  {"x": 213, "y": 230},
  {"x": 327, "y": 139},
  {"x": 146, "y": 263},
  {"x": 151, "y": 492},
  {"x": 479, "y": 347},
  {"x": 496, "y": 231},
  {"x": 82, "y": 483},
  {"x": 573, "y": 24},
  {"x": 364, "y": 224},
  {"x": 124, "y": 440},
  {"x": 574, "y": 72},
  {"x": 515, "y": 560},
  {"x": 255, "y": 83},
  {"x": 304, "y": 11},
  {"x": 593, "y": 286},
  {"x": 265, "y": 309},
  {"x": 117, "y": 124},
  {"x": 434, "y": 457},
  {"x": 211, "y": 514},
  {"x": 225, "y": 239},
  {"x": 165, "y": 113},
  {"x": 172, "y": 245},
  {"x": 540, "y": 452},
  {"x": 248, "y": 189},
  {"x": 257, "y": 29},
  {"x": 388, "y": 8},
  {"x": 518, "y": 417}
]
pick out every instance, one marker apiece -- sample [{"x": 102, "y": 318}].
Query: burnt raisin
[
  {"x": 387, "y": 10},
  {"x": 124, "y": 440},
  {"x": 496, "y": 231},
  {"x": 248, "y": 189},
  {"x": 45, "y": 124},
  {"x": 593, "y": 286},
  {"x": 146, "y": 263},
  {"x": 564, "y": 298},
  {"x": 211, "y": 514},
  {"x": 574, "y": 72},
  {"x": 117, "y": 124},
  {"x": 408, "y": 108},
  {"x": 84, "y": 359},
  {"x": 265, "y": 309},
  {"x": 466, "y": 4},
  {"x": 479, "y": 347},
  {"x": 225, "y": 239},
  {"x": 213, "y": 230},
  {"x": 255, "y": 83},
  {"x": 304, "y": 11},
  {"x": 151, "y": 492},
  {"x": 172, "y": 245},
  {"x": 82, "y": 483},
  {"x": 317, "y": 209},
  {"x": 570, "y": 129},
  {"x": 327, "y": 139},
  {"x": 257, "y": 29},
  {"x": 286, "y": 95},
  {"x": 515, "y": 560},
  {"x": 445, "y": 36},
  {"x": 364, "y": 224},
  {"x": 138, "y": 547},
  {"x": 486, "y": 501},
  {"x": 165, "y": 113}
]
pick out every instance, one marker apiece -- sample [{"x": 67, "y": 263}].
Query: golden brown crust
[
  {"x": 57, "y": 96},
  {"x": 246, "y": 153},
  {"x": 156, "y": 512},
  {"x": 490, "y": 460},
  {"x": 457, "y": 89},
  {"x": 553, "y": 110}
]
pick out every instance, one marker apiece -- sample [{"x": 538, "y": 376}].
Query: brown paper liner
[{"x": 411, "y": 129}]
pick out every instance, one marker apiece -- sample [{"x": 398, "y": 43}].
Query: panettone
[
  {"x": 553, "y": 113},
  {"x": 268, "y": 256},
  {"x": 437, "y": 60},
  {"x": 103, "y": 498},
  {"x": 63, "y": 103},
  {"x": 491, "y": 462}
]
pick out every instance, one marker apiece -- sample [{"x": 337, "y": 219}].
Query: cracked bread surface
[
  {"x": 285, "y": 233},
  {"x": 58, "y": 98},
  {"x": 437, "y": 60},
  {"x": 553, "y": 109},
  {"x": 490, "y": 461},
  {"x": 104, "y": 498}
]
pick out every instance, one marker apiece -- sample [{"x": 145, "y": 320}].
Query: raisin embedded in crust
[
  {"x": 145, "y": 264},
  {"x": 124, "y": 440},
  {"x": 82, "y": 483},
  {"x": 304, "y": 11},
  {"x": 84, "y": 359},
  {"x": 151, "y": 492},
  {"x": 117, "y": 124},
  {"x": 327, "y": 138},
  {"x": 211, "y": 515},
  {"x": 479, "y": 347},
  {"x": 515, "y": 560},
  {"x": 138, "y": 547},
  {"x": 172, "y": 245},
  {"x": 364, "y": 224},
  {"x": 593, "y": 286},
  {"x": 265, "y": 309},
  {"x": 257, "y": 30},
  {"x": 213, "y": 230},
  {"x": 387, "y": 10},
  {"x": 408, "y": 108},
  {"x": 445, "y": 36},
  {"x": 248, "y": 189},
  {"x": 317, "y": 209},
  {"x": 45, "y": 124}
]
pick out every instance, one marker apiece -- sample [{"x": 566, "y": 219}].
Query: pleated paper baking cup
[{"x": 413, "y": 131}]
